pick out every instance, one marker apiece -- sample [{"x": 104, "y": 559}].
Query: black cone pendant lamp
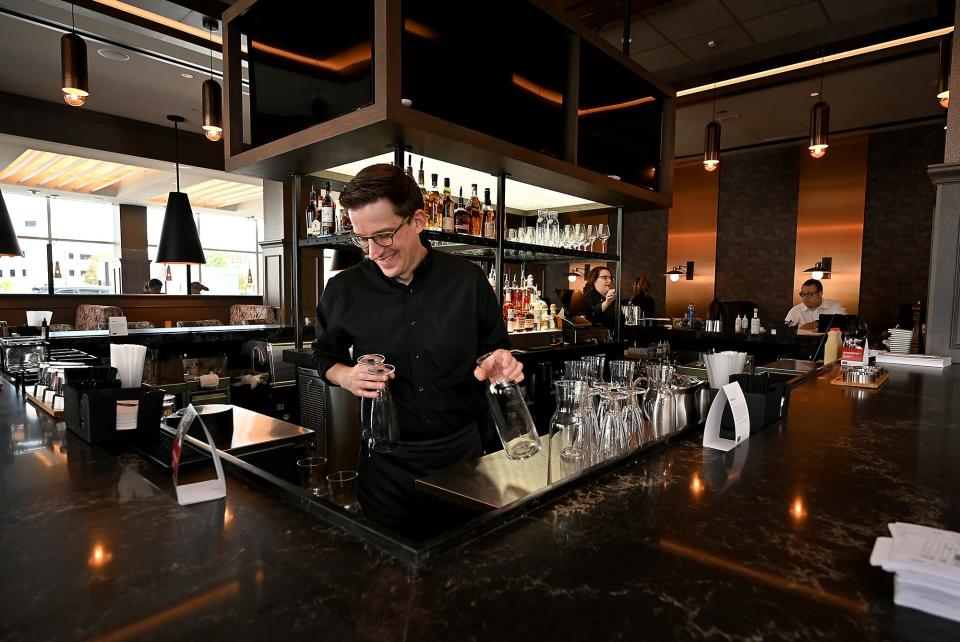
[
  {"x": 711, "y": 139},
  {"x": 212, "y": 95},
  {"x": 819, "y": 123},
  {"x": 179, "y": 240},
  {"x": 943, "y": 77},
  {"x": 73, "y": 67},
  {"x": 9, "y": 246}
]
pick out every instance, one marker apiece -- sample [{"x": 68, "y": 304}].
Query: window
[
  {"x": 34, "y": 259},
  {"x": 23, "y": 273},
  {"x": 83, "y": 236},
  {"x": 71, "y": 273},
  {"x": 70, "y": 255},
  {"x": 83, "y": 257}
]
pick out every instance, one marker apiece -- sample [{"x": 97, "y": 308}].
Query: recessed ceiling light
[
  {"x": 711, "y": 43},
  {"x": 186, "y": 75},
  {"x": 814, "y": 94},
  {"x": 114, "y": 54}
]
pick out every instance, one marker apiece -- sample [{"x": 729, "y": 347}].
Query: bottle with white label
[
  {"x": 755, "y": 322},
  {"x": 327, "y": 225}
]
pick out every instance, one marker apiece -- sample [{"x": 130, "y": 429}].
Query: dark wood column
[{"x": 134, "y": 264}]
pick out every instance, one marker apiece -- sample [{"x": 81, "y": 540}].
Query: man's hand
[
  {"x": 501, "y": 362},
  {"x": 608, "y": 300},
  {"x": 812, "y": 325},
  {"x": 358, "y": 380}
]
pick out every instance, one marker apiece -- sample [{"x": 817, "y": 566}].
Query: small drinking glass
[
  {"x": 613, "y": 439},
  {"x": 512, "y": 234},
  {"x": 510, "y": 413},
  {"x": 313, "y": 472},
  {"x": 343, "y": 489},
  {"x": 594, "y": 367},
  {"x": 367, "y": 360},
  {"x": 622, "y": 373},
  {"x": 568, "y": 430}
]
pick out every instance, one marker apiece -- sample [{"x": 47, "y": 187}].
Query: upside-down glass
[
  {"x": 637, "y": 428},
  {"x": 570, "y": 432},
  {"x": 367, "y": 360},
  {"x": 594, "y": 367},
  {"x": 622, "y": 373},
  {"x": 510, "y": 413},
  {"x": 575, "y": 370},
  {"x": 384, "y": 429},
  {"x": 613, "y": 437}
]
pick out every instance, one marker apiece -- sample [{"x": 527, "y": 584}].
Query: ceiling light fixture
[
  {"x": 843, "y": 55},
  {"x": 943, "y": 75},
  {"x": 9, "y": 246},
  {"x": 186, "y": 75},
  {"x": 212, "y": 96},
  {"x": 711, "y": 140},
  {"x": 819, "y": 124},
  {"x": 74, "y": 81},
  {"x": 179, "y": 240}
]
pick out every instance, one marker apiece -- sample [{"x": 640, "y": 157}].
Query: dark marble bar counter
[{"x": 770, "y": 541}]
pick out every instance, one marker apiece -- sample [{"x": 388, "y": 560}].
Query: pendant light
[
  {"x": 57, "y": 274},
  {"x": 249, "y": 276},
  {"x": 212, "y": 96},
  {"x": 711, "y": 138},
  {"x": 819, "y": 122},
  {"x": 168, "y": 276},
  {"x": 179, "y": 240},
  {"x": 9, "y": 246},
  {"x": 943, "y": 77},
  {"x": 73, "y": 66}
]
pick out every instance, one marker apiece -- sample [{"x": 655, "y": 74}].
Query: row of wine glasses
[{"x": 575, "y": 236}]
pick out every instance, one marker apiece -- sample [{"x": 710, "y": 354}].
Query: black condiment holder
[
  {"x": 92, "y": 413},
  {"x": 767, "y": 402}
]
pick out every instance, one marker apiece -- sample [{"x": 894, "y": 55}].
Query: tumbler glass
[
  {"x": 367, "y": 360},
  {"x": 613, "y": 439},
  {"x": 343, "y": 489},
  {"x": 622, "y": 373},
  {"x": 313, "y": 473},
  {"x": 384, "y": 428},
  {"x": 594, "y": 367},
  {"x": 510, "y": 414},
  {"x": 568, "y": 429},
  {"x": 575, "y": 370}
]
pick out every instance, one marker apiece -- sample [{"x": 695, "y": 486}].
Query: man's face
[
  {"x": 604, "y": 282},
  {"x": 810, "y": 297},
  {"x": 399, "y": 259}
]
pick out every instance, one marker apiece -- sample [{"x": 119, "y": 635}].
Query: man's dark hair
[
  {"x": 813, "y": 282},
  {"x": 154, "y": 283},
  {"x": 383, "y": 181}
]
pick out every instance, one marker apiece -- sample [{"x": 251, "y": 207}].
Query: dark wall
[
  {"x": 645, "y": 252},
  {"x": 757, "y": 229},
  {"x": 897, "y": 222}
]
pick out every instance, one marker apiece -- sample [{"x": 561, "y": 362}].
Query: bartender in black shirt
[
  {"x": 599, "y": 293},
  {"x": 431, "y": 315}
]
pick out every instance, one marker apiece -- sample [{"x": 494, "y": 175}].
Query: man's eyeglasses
[
  {"x": 807, "y": 295},
  {"x": 383, "y": 239}
]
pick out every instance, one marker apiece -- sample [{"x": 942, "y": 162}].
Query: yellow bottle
[{"x": 831, "y": 351}]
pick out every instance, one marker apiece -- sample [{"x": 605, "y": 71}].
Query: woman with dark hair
[
  {"x": 599, "y": 293},
  {"x": 642, "y": 296}
]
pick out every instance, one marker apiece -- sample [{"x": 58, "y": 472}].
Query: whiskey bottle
[
  {"x": 423, "y": 190},
  {"x": 435, "y": 207},
  {"x": 326, "y": 213},
  {"x": 311, "y": 212},
  {"x": 448, "y": 208},
  {"x": 409, "y": 171},
  {"x": 461, "y": 217},
  {"x": 489, "y": 216},
  {"x": 476, "y": 213},
  {"x": 344, "y": 224}
]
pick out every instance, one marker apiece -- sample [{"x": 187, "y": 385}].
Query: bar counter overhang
[{"x": 772, "y": 539}]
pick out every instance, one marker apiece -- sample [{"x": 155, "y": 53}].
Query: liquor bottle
[
  {"x": 476, "y": 213},
  {"x": 461, "y": 217},
  {"x": 326, "y": 213},
  {"x": 489, "y": 216},
  {"x": 311, "y": 212},
  {"x": 755, "y": 322},
  {"x": 448, "y": 208},
  {"x": 492, "y": 277},
  {"x": 410, "y": 165},
  {"x": 344, "y": 224},
  {"x": 435, "y": 209},
  {"x": 423, "y": 188}
]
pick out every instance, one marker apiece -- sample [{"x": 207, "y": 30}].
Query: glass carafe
[
  {"x": 510, "y": 413},
  {"x": 384, "y": 428},
  {"x": 367, "y": 360},
  {"x": 571, "y": 431}
]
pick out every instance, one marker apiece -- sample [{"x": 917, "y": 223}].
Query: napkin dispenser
[{"x": 92, "y": 413}]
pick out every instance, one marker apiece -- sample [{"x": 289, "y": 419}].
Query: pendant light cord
[
  {"x": 176, "y": 145},
  {"x": 210, "y": 35},
  {"x": 73, "y": 17}
]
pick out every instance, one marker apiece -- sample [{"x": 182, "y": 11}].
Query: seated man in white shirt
[{"x": 806, "y": 314}]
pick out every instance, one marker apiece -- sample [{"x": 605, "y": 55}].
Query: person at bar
[
  {"x": 805, "y": 315},
  {"x": 153, "y": 286},
  {"x": 196, "y": 287},
  {"x": 642, "y": 296},
  {"x": 602, "y": 298},
  {"x": 431, "y": 314}
]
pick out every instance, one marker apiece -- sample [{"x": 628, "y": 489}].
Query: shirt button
[
  {"x": 420, "y": 389},
  {"x": 413, "y": 323},
  {"x": 416, "y": 356}
]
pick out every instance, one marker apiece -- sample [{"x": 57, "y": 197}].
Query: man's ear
[{"x": 419, "y": 220}]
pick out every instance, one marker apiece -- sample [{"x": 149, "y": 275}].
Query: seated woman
[{"x": 599, "y": 293}]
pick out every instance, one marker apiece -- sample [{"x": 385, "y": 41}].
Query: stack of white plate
[{"x": 899, "y": 340}]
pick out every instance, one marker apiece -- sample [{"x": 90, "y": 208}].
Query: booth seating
[
  {"x": 251, "y": 315},
  {"x": 131, "y": 325},
  {"x": 199, "y": 323},
  {"x": 91, "y": 316}
]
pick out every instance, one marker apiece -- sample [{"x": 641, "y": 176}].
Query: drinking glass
[
  {"x": 622, "y": 373},
  {"x": 367, "y": 360},
  {"x": 512, "y": 234},
  {"x": 613, "y": 439},
  {"x": 553, "y": 229},
  {"x": 603, "y": 233},
  {"x": 594, "y": 368},
  {"x": 568, "y": 430},
  {"x": 589, "y": 237},
  {"x": 313, "y": 473},
  {"x": 342, "y": 486},
  {"x": 637, "y": 428},
  {"x": 510, "y": 413},
  {"x": 384, "y": 428},
  {"x": 575, "y": 370}
]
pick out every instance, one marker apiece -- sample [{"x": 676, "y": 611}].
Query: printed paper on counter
[
  {"x": 117, "y": 326},
  {"x": 730, "y": 394},
  {"x": 203, "y": 491}
]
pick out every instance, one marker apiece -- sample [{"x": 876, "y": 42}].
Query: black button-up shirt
[{"x": 432, "y": 330}]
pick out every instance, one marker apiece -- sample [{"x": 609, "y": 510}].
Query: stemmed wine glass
[{"x": 603, "y": 233}]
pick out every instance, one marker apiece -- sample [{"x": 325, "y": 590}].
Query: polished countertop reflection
[{"x": 769, "y": 541}]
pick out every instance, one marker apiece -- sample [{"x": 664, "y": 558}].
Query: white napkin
[
  {"x": 128, "y": 360},
  {"x": 209, "y": 380}
]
